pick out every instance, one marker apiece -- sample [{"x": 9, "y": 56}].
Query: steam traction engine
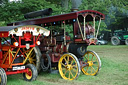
[
  {"x": 17, "y": 49},
  {"x": 60, "y": 52}
]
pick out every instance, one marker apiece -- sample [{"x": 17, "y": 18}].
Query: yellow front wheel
[
  {"x": 69, "y": 67},
  {"x": 91, "y": 63},
  {"x": 31, "y": 74}
]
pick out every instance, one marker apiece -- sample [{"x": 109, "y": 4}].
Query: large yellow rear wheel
[
  {"x": 69, "y": 67},
  {"x": 92, "y": 63},
  {"x": 34, "y": 58}
]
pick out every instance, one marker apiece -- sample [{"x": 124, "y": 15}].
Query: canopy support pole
[
  {"x": 98, "y": 28},
  {"x": 64, "y": 33},
  {"x": 94, "y": 25},
  {"x": 51, "y": 32},
  {"x": 84, "y": 28},
  {"x": 80, "y": 29}
]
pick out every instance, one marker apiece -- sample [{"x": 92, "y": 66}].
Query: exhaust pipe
[
  {"x": 75, "y": 5},
  {"x": 41, "y": 13}
]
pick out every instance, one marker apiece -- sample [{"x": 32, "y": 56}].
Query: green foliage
[
  {"x": 116, "y": 11},
  {"x": 69, "y": 29},
  {"x": 55, "y": 1},
  {"x": 99, "y": 5},
  {"x": 11, "y": 12}
]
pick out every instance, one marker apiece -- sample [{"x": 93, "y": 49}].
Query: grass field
[{"x": 114, "y": 70}]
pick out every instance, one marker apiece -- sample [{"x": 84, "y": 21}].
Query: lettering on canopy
[
  {"x": 35, "y": 30},
  {"x": 27, "y": 28}
]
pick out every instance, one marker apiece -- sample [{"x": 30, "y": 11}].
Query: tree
[
  {"x": 116, "y": 11},
  {"x": 11, "y": 12},
  {"x": 118, "y": 15}
]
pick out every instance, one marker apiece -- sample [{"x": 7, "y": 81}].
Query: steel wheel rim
[
  {"x": 93, "y": 64},
  {"x": 27, "y": 75},
  {"x": 115, "y": 41},
  {"x": 68, "y": 67}
]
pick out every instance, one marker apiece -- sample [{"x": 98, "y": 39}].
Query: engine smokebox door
[{"x": 78, "y": 49}]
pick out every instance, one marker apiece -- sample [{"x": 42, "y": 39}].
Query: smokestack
[{"x": 75, "y": 5}]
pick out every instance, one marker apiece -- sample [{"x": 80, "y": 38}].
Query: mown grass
[{"x": 114, "y": 70}]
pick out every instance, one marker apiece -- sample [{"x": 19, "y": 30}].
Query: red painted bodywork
[
  {"x": 9, "y": 53},
  {"x": 27, "y": 36},
  {"x": 17, "y": 72},
  {"x": 4, "y": 34},
  {"x": 57, "y": 48},
  {"x": 1, "y": 54}
]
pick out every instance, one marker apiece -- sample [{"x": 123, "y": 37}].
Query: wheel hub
[
  {"x": 69, "y": 67},
  {"x": 29, "y": 74},
  {"x": 90, "y": 63}
]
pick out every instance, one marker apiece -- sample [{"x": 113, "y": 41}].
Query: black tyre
[
  {"x": 32, "y": 74},
  {"x": 45, "y": 62},
  {"x": 99, "y": 43},
  {"x": 3, "y": 77},
  {"x": 38, "y": 56},
  {"x": 115, "y": 40},
  {"x": 126, "y": 41}
]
